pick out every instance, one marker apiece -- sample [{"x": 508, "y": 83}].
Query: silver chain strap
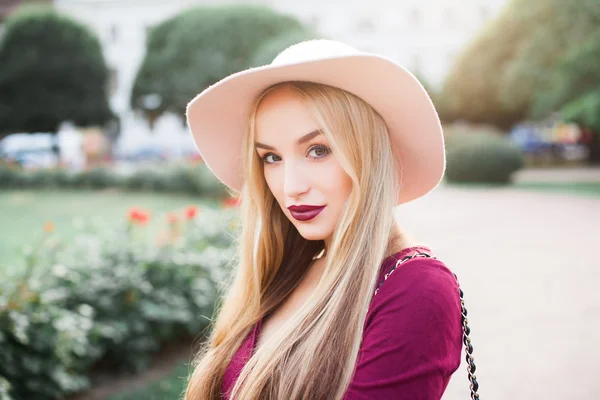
[{"x": 471, "y": 367}]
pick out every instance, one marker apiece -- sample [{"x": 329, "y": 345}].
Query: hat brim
[{"x": 218, "y": 117}]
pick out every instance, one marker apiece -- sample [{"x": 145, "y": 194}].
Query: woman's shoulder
[
  {"x": 408, "y": 256},
  {"x": 406, "y": 250},
  {"x": 416, "y": 273},
  {"x": 416, "y": 261}
]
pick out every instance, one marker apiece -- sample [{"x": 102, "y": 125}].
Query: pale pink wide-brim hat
[{"x": 218, "y": 116}]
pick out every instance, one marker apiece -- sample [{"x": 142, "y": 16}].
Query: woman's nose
[{"x": 295, "y": 181}]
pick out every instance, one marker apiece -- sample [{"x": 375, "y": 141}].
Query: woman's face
[{"x": 299, "y": 166}]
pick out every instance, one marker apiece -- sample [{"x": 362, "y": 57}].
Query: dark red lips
[{"x": 304, "y": 212}]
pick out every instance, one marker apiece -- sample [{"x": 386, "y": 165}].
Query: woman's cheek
[{"x": 272, "y": 181}]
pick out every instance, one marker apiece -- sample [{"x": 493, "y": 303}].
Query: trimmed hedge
[
  {"x": 481, "y": 157},
  {"x": 178, "y": 178}
]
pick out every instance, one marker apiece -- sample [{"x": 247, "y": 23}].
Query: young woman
[{"x": 330, "y": 299}]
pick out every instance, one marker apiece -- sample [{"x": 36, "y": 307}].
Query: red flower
[
  {"x": 231, "y": 202},
  {"x": 48, "y": 227},
  {"x": 191, "y": 212},
  {"x": 138, "y": 216}
]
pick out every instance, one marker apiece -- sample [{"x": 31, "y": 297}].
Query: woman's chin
[{"x": 312, "y": 233}]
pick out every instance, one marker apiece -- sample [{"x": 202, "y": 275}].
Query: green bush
[
  {"x": 177, "y": 178},
  {"x": 111, "y": 296},
  {"x": 481, "y": 158},
  {"x": 9, "y": 176},
  {"x": 100, "y": 178},
  {"x": 147, "y": 179}
]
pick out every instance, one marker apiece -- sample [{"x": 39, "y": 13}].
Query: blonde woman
[{"x": 329, "y": 298}]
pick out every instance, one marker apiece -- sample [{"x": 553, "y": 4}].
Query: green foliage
[
  {"x": 272, "y": 47},
  {"x": 584, "y": 111},
  {"x": 577, "y": 74},
  {"x": 507, "y": 73},
  {"x": 177, "y": 179},
  {"x": 198, "y": 47},
  {"x": 108, "y": 297},
  {"x": 52, "y": 71},
  {"x": 472, "y": 89},
  {"x": 557, "y": 27},
  {"x": 5, "y": 387},
  {"x": 481, "y": 157}
]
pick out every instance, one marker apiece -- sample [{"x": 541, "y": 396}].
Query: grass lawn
[
  {"x": 23, "y": 214},
  {"x": 168, "y": 388},
  {"x": 575, "y": 188},
  {"x": 572, "y": 188}
]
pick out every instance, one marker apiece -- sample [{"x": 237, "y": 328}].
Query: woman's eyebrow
[{"x": 303, "y": 139}]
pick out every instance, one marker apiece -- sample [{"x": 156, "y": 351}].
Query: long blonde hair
[{"x": 313, "y": 355}]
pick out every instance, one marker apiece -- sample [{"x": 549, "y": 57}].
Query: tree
[
  {"x": 504, "y": 71},
  {"x": 577, "y": 73},
  {"x": 558, "y": 27},
  {"x": 471, "y": 90},
  {"x": 272, "y": 47},
  {"x": 52, "y": 71},
  {"x": 585, "y": 111},
  {"x": 196, "y": 48}
]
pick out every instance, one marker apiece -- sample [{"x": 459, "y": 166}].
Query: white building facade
[{"x": 423, "y": 35}]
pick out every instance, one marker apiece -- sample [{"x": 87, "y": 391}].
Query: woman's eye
[
  {"x": 320, "y": 151},
  {"x": 265, "y": 158}
]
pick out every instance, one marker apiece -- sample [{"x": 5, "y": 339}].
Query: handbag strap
[{"x": 465, "y": 326}]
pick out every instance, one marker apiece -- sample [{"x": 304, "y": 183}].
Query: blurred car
[
  {"x": 145, "y": 153},
  {"x": 29, "y": 150},
  {"x": 530, "y": 139},
  {"x": 553, "y": 138}
]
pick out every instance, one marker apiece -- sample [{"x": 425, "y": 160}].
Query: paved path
[{"x": 528, "y": 264}]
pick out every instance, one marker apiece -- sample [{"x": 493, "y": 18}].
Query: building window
[
  {"x": 365, "y": 25},
  {"x": 415, "y": 17},
  {"x": 113, "y": 33},
  {"x": 449, "y": 17}
]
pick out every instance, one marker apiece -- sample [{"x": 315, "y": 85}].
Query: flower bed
[{"x": 111, "y": 296}]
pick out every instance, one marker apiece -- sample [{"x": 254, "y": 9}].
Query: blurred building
[{"x": 423, "y": 35}]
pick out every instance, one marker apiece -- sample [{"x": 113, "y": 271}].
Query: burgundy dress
[{"x": 412, "y": 338}]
